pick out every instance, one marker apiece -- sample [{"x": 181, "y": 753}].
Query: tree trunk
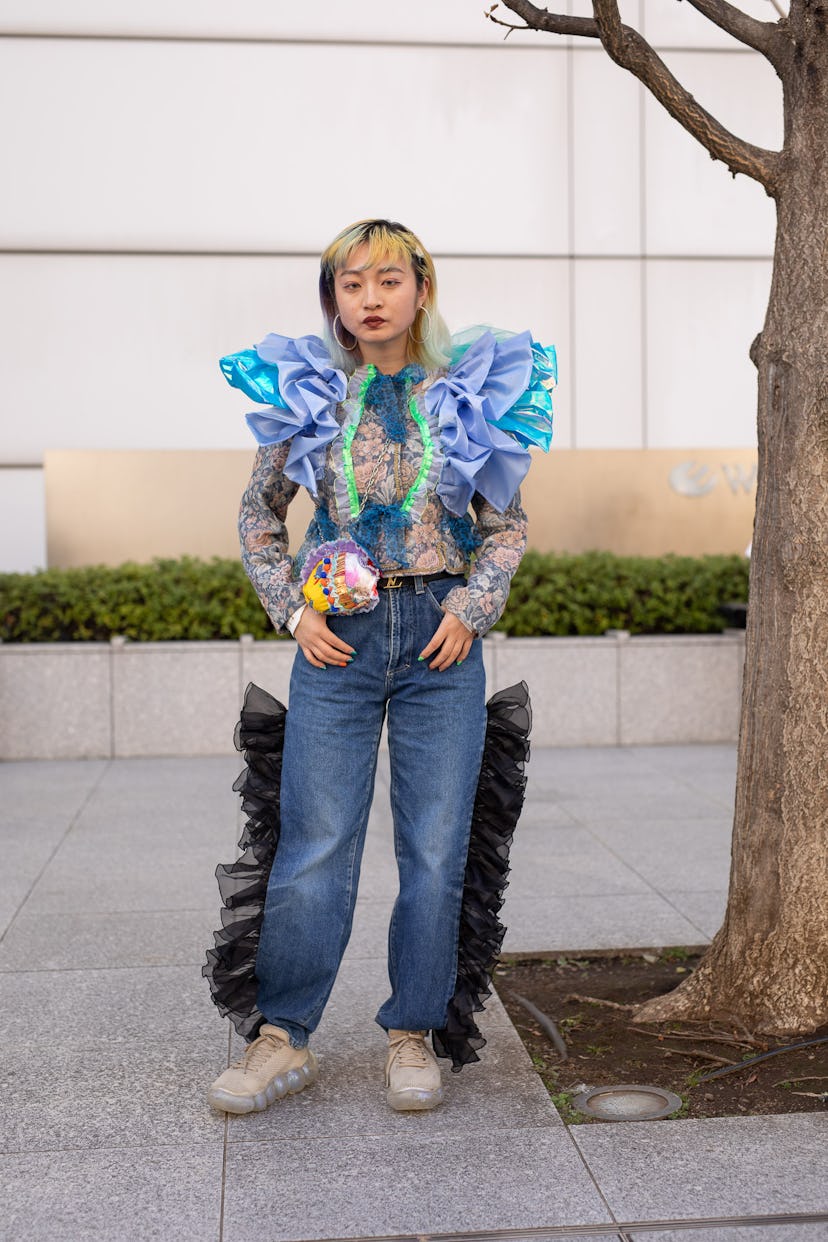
[{"x": 768, "y": 965}]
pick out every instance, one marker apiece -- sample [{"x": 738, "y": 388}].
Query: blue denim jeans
[{"x": 436, "y": 726}]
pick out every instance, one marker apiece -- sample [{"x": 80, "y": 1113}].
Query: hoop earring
[
  {"x": 348, "y": 348},
  {"x": 427, "y": 336}
]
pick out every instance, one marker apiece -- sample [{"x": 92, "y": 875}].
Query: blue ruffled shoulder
[
  {"x": 492, "y": 406},
  {"x": 300, "y": 386}
]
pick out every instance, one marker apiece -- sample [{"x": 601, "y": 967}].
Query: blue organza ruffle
[
  {"x": 303, "y": 387},
  {"x": 482, "y": 386}
]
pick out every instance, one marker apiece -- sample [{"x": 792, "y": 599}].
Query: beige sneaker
[
  {"x": 269, "y": 1069},
  {"x": 412, "y": 1074}
]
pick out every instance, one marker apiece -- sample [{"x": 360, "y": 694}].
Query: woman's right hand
[{"x": 320, "y": 646}]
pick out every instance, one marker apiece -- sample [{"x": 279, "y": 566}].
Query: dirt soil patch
[{"x": 590, "y": 999}]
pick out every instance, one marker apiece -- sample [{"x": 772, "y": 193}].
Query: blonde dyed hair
[{"x": 386, "y": 240}]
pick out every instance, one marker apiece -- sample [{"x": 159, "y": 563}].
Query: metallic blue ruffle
[
  {"x": 530, "y": 419},
  {"x": 256, "y": 379}
]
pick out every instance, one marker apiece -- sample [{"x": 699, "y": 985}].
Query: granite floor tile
[
  {"x": 94, "y": 1008},
  {"x": 153, "y": 1193},
  {"x": 802, "y": 1231},
  {"x": 98, "y": 1097},
  {"x": 541, "y": 812},
  {"x": 162, "y": 829},
  {"x": 171, "y": 776},
  {"x": 440, "y": 1184},
  {"x": 568, "y": 767},
  {"x": 379, "y": 879},
  {"x": 645, "y": 799},
  {"x": 704, "y": 910},
  {"x": 567, "y": 861},
  {"x": 9, "y": 905},
  {"x": 22, "y": 833},
  {"x": 369, "y": 935},
  {"x": 693, "y": 760},
  {"x": 652, "y": 848},
  {"x": 729, "y": 1166},
  {"x": 511, "y": 1180},
  {"x": 49, "y": 787},
  {"x": 95, "y": 941},
  {"x": 327, "y": 1188},
  {"x": 99, "y": 876},
  {"x": 632, "y": 921},
  {"x": 24, "y": 867}
]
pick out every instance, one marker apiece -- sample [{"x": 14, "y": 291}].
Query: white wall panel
[
  {"x": 211, "y": 146},
  {"x": 607, "y": 380},
  {"x": 668, "y": 24},
  {"x": 22, "y": 521},
  {"x": 694, "y": 205},
  {"x": 428, "y": 21},
  {"x": 606, "y": 156},
  {"x": 702, "y": 317},
  {"x": 122, "y": 352},
  {"x": 516, "y": 294}
]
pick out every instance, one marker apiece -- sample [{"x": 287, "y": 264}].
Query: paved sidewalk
[{"x": 109, "y": 1038}]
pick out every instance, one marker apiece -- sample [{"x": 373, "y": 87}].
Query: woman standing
[{"x": 395, "y": 432}]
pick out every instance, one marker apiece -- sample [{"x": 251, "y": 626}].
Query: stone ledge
[{"x": 121, "y": 699}]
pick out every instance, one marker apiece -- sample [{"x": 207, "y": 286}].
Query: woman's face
[{"x": 378, "y": 304}]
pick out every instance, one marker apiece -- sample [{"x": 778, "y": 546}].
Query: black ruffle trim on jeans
[
  {"x": 497, "y": 806},
  {"x": 230, "y": 966}
]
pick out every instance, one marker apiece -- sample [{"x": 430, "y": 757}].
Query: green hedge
[
  {"x": 597, "y": 591},
  {"x": 168, "y": 599},
  {"x": 192, "y": 599}
]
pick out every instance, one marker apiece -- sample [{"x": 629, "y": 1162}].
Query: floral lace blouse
[{"x": 487, "y": 548}]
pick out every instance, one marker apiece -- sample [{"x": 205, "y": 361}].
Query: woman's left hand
[{"x": 451, "y": 640}]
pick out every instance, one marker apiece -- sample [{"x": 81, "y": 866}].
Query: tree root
[{"x": 596, "y": 1000}]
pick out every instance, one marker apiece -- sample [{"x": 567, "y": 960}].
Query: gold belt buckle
[{"x": 394, "y": 580}]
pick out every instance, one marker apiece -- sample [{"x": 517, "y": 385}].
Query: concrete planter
[{"x": 122, "y": 699}]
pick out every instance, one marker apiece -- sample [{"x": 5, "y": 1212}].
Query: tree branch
[
  {"x": 630, "y": 50},
  {"x": 765, "y": 37},
  {"x": 541, "y": 19}
]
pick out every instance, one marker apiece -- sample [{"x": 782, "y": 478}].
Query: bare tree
[{"x": 768, "y": 965}]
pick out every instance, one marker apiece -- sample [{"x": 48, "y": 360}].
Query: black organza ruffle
[
  {"x": 497, "y": 806},
  {"x": 230, "y": 966}
]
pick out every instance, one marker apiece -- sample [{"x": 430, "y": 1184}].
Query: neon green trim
[
  {"x": 347, "y": 455},
  {"x": 347, "y": 440},
  {"x": 428, "y": 453}
]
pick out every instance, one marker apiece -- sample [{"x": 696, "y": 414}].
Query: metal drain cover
[{"x": 627, "y": 1101}]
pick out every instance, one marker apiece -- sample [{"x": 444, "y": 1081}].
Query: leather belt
[{"x": 393, "y": 581}]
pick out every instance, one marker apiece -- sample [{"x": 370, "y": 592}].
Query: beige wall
[{"x": 109, "y": 507}]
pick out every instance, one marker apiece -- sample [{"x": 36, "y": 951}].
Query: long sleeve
[
  {"x": 263, "y": 535},
  {"x": 481, "y": 601}
]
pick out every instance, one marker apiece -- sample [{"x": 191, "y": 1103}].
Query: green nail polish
[
  {"x": 420, "y": 657},
  {"x": 458, "y": 661}
]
